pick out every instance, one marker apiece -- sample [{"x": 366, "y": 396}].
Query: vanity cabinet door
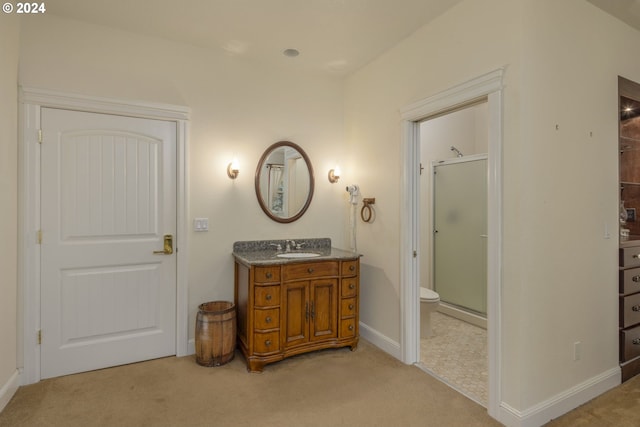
[
  {"x": 323, "y": 315},
  {"x": 311, "y": 311},
  {"x": 295, "y": 306}
]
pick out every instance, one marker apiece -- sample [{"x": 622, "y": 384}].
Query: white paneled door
[{"x": 108, "y": 186}]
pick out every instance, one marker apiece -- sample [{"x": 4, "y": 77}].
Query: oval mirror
[{"x": 284, "y": 182}]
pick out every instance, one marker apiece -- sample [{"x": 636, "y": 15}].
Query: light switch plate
[{"x": 201, "y": 224}]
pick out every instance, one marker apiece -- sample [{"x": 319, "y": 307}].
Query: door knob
[{"x": 168, "y": 246}]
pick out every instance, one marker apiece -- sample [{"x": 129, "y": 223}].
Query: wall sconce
[
  {"x": 334, "y": 175},
  {"x": 233, "y": 170}
]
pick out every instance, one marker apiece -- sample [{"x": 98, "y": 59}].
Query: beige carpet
[
  {"x": 619, "y": 407},
  {"x": 326, "y": 388}
]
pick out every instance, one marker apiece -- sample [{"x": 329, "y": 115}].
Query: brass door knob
[{"x": 168, "y": 246}]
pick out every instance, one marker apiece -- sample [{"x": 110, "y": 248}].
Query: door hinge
[
  {"x": 40, "y": 336},
  {"x": 39, "y": 136},
  {"x": 421, "y": 168},
  {"x": 415, "y": 254},
  {"x": 39, "y": 237}
]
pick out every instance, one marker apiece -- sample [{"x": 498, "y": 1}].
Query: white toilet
[{"x": 429, "y": 301}]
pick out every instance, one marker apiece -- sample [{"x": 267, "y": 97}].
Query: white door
[{"x": 108, "y": 186}]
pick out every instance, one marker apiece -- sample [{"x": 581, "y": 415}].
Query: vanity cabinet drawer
[
  {"x": 630, "y": 257},
  {"x": 349, "y": 268},
  {"x": 266, "y": 296},
  {"x": 349, "y": 287},
  {"x": 630, "y": 281},
  {"x": 348, "y": 327},
  {"x": 629, "y": 310},
  {"x": 309, "y": 270},
  {"x": 266, "y": 274},
  {"x": 267, "y": 342},
  {"x": 629, "y": 343},
  {"x": 348, "y": 307},
  {"x": 267, "y": 319}
]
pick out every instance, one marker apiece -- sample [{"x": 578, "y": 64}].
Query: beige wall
[
  {"x": 9, "y": 32},
  {"x": 559, "y": 272},
  {"x": 568, "y": 270},
  {"x": 238, "y": 109}
]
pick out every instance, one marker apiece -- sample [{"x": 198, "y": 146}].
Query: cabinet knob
[
  {"x": 351, "y": 327},
  {"x": 309, "y": 270},
  {"x": 636, "y": 341},
  {"x": 269, "y": 275},
  {"x": 350, "y": 306},
  {"x": 636, "y": 256},
  {"x": 636, "y": 279},
  {"x": 635, "y": 308},
  {"x": 352, "y": 268},
  {"x": 268, "y": 297},
  {"x": 352, "y": 286},
  {"x": 268, "y": 319},
  {"x": 267, "y": 343}
]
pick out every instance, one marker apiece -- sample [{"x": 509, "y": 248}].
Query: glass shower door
[{"x": 460, "y": 233}]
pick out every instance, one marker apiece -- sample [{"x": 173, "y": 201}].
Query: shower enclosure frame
[{"x": 445, "y": 307}]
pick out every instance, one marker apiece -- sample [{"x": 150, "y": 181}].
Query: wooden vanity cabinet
[{"x": 294, "y": 308}]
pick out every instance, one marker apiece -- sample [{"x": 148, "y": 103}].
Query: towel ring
[{"x": 367, "y": 213}]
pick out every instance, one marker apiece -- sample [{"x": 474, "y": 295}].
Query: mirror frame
[{"x": 261, "y": 165}]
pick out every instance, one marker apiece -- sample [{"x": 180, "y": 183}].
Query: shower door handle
[{"x": 484, "y": 236}]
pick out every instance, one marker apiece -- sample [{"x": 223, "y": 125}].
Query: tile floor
[{"x": 457, "y": 354}]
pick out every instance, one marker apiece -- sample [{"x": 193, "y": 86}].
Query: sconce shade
[
  {"x": 232, "y": 170},
  {"x": 334, "y": 175}
]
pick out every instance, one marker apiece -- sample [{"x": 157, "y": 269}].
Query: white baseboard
[
  {"x": 561, "y": 403},
  {"x": 381, "y": 341},
  {"x": 9, "y": 389},
  {"x": 191, "y": 347}
]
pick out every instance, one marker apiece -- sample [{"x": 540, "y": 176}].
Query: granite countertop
[{"x": 262, "y": 252}]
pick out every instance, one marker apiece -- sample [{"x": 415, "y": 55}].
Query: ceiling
[
  {"x": 626, "y": 10},
  {"x": 334, "y": 36}
]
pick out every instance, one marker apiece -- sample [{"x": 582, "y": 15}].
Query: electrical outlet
[{"x": 577, "y": 351}]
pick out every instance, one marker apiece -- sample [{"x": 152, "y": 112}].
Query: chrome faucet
[
  {"x": 291, "y": 245},
  {"x": 288, "y": 244},
  {"x": 278, "y": 246}
]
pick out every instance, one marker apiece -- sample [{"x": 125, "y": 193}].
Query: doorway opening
[
  {"x": 453, "y": 236},
  {"x": 487, "y": 86}
]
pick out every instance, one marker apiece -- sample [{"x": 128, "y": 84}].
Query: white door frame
[
  {"x": 31, "y": 102},
  {"x": 489, "y": 85}
]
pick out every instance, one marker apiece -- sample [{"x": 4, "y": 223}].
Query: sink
[{"x": 298, "y": 255}]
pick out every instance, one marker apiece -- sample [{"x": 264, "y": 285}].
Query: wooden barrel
[{"x": 215, "y": 333}]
